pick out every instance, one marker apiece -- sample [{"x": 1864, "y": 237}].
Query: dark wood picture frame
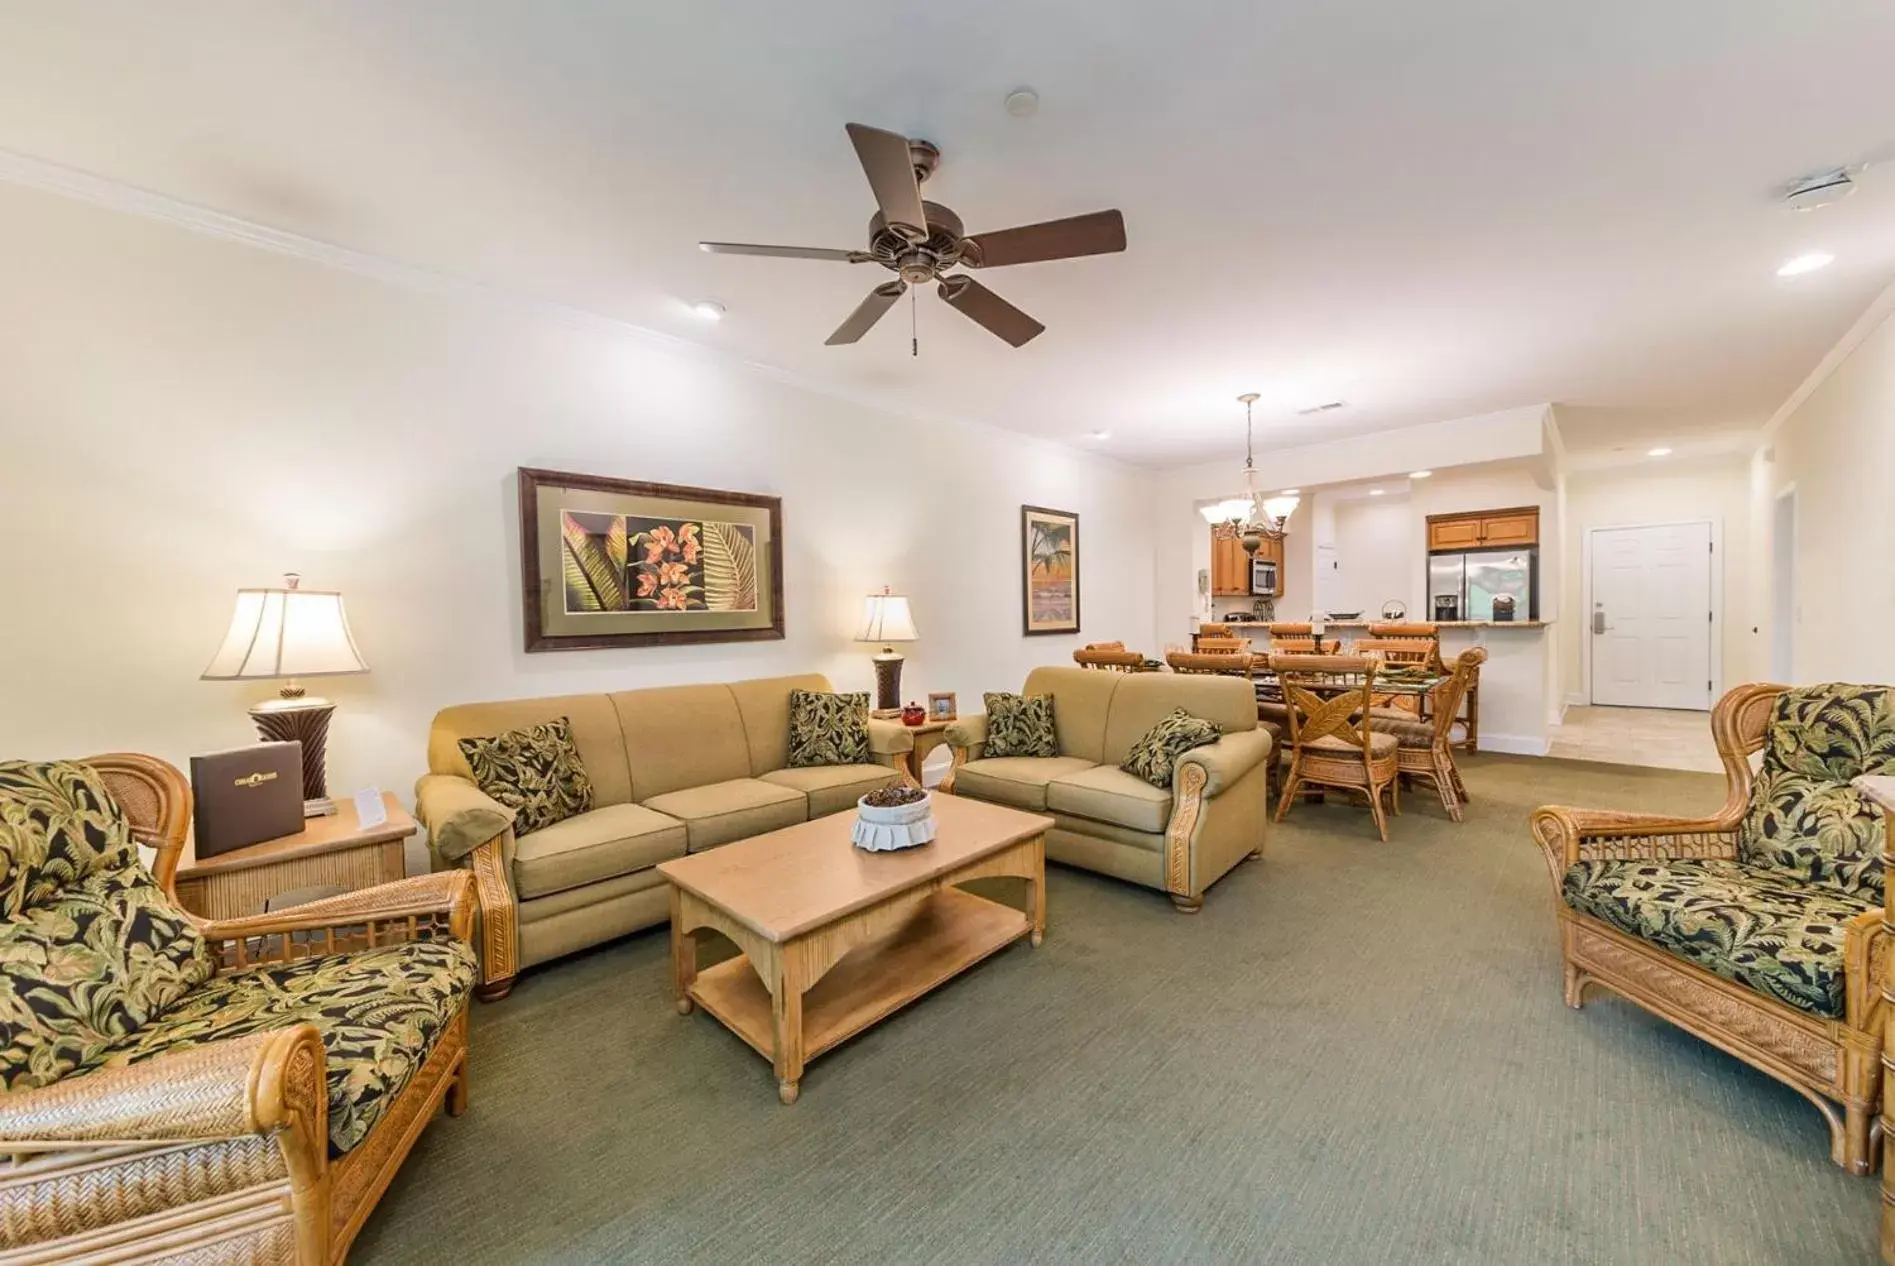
[
  {"x": 533, "y": 480},
  {"x": 1026, "y": 571}
]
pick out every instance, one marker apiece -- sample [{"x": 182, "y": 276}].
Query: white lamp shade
[
  {"x": 286, "y": 633},
  {"x": 1281, "y": 508},
  {"x": 886, "y": 618}
]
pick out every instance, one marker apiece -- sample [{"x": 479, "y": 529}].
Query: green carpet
[{"x": 1357, "y": 1053}]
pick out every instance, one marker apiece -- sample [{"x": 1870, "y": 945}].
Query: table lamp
[
  {"x": 887, "y": 619},
  {"x": 287, "y": 634}
]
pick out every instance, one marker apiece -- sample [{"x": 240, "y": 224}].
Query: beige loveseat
[
  {"x": 674, "y": 770},
  {"x": 1179, "y": 841}
]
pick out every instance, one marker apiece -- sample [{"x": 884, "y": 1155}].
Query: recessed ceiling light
[
  {"x": 1806, "y": 264},
  {"x": 1022, "y": 102},
  {"x": 1658, "y": 452},
  {"x": 1375, "y": 492},
  {"x": 1290, "y": 492},
  {"x": 1419, "y": 474},
  {"x": 708, "y": 310},
  {"x": 1098, "y": 435}
]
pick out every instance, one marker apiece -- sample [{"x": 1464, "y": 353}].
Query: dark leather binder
[{"x": 247, "y": 795}]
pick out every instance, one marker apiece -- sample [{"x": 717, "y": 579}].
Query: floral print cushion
[
  {"x": 58, "y": 824},
  {"x": 1805, "y": 819},
  {"x": 379, "y": 1012},
  {"x": 91, "y": 948},
  {"x": 1158, "y": 749},
  {"x": 1019, "y": 725},
  {"x": 1753, "y": 926},
  {"x": 828, "y": 729},
  {"x": 535, "y": 771}
]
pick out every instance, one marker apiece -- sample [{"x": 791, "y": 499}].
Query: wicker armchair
[
  {"x": 1759, "y": 928},
  {"x": 233, "y": 1091}
]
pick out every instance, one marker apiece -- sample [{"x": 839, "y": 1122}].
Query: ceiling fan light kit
[{"x": 920, "y": 242}]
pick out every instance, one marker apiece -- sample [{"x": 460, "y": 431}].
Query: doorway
[
  {"x": 1783, "y": 587},
  {"x": 1653, "y": 615}
]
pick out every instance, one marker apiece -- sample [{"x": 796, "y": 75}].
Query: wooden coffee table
[{"x": 798, "y": 900}]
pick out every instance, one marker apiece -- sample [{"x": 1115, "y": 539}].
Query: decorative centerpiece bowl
[{"x": 892, "y": 818}]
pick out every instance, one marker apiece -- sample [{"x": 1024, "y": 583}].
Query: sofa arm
[
  {"x": 460, "y": 817},
  {"x": 258, "y": 1084},
  {"x": 1569, "y": 835},
  {"x": 969, "y": 733},
  {"x": 889, "y": 738},
  {"x": 1228, "y": 759}
]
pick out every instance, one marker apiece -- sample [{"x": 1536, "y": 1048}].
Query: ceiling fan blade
[
  {"x": 785, "y": 252},
  {"x": 867, "y": 313},
  {"x": 989, "y": 309},
  {"x": 1100, "y": 233},
  {"x": 891, "y": 172}
]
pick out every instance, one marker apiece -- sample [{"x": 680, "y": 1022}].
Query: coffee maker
[{"x": 1447, "y": 606}]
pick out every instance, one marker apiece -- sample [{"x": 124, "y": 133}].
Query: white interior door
[
  {"x": 1651, "y": 616},
  {"x": 1327, "y": 591}
]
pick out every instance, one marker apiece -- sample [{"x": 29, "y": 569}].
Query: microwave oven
[{"x": 1263, "y": 576}]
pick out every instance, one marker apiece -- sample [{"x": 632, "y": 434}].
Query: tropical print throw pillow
[
  {"x": 535, "y": 771},
  {"x": 1018, "y": 725},
  {"x": 828, "y": 729},
  {"x": 1157, "y": 751}
]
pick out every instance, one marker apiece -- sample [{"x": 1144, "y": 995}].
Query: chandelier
[{"x": 1254, "y": 520}]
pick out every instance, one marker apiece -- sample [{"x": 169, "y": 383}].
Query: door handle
[{"x": 1598, "y": 621}]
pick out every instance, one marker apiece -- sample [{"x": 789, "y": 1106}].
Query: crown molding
[
  {"x": 1879, "y": 310},
  {"x": 27, "y": 171}
]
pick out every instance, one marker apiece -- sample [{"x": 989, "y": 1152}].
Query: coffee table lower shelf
[{"x": 950, "y": 932}]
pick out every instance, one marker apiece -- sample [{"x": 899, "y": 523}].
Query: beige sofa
[
  {"x": 674, "y": 770},
  {"x": 1179, "y": 841}
]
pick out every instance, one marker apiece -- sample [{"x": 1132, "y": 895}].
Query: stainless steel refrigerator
[{"x": 1471, "y": 580}]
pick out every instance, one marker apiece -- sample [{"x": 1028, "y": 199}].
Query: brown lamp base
[
  {"x": 303, "y": 719},
  {"x": 888, "y": 681}
]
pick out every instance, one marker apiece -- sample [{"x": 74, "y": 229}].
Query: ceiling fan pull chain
[{"x": 914, "y": 327}]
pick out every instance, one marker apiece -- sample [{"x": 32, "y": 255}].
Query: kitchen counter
[{"x": 1444, "y": 624}]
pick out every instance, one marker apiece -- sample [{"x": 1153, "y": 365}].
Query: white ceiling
[{"x": 1429, "y": 210}]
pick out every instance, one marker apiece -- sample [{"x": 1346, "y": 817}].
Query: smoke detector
[{"x": 1819, "y": 190}]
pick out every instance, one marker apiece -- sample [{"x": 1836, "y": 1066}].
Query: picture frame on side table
[
  {"x": 1049, "y": 570},
  {"x": 942, "y": 706},
  {"x": 614, "y": 562}
]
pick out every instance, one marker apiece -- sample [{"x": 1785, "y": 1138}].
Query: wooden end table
[
  {"x": 836, "y": 939},
  {"x": 335, "y": 850},
  {"x": 928, "y": 736}
]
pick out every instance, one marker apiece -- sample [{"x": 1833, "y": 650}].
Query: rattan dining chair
[
  {"x": 1108, "y": 657},
  {"x": 1299, "y": 639},
  {"x": 1334, "y": 742},
  {"x": 1425, "y": 748}
]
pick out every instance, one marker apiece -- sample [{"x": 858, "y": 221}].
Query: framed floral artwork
[
  {"x": 610, "y": 562},
  {"x": 1049, "y": 570}
]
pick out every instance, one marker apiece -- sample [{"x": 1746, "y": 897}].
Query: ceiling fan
[{"x": 920, "y": 241}]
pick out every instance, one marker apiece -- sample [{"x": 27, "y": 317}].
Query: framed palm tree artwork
[
  {"x": 610, "y": 562},
  {"x": 1049, "y": 567}
]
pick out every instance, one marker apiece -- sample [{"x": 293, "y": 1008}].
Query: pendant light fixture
[{"x": 1253, "y": 520}]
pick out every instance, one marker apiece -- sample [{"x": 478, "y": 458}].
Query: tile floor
[{"x": 1656, "y": 737}]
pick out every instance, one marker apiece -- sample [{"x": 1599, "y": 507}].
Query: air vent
[{"x": 1330, "y": 407}]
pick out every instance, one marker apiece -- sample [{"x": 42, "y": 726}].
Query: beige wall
[
  {"x": 184, "y": 415},
  {"x": 1837, "y": 450},
  {"x": 1661, "y": 492}
]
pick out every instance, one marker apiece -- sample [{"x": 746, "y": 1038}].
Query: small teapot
[
  {"x": 913, "y": 714},
  {"x": 1394, "y": 609}
]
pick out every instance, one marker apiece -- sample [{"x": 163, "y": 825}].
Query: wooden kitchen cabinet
[
  {"x": 1484, "y": 529},
  {"x": 1511, "y": 529},
  {"x": 1230, "y": 567}
]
